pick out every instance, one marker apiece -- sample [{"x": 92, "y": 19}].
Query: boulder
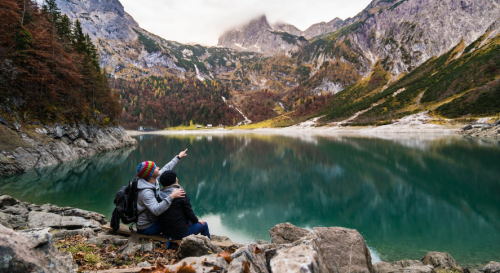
[
  {"x": 202, "y": 264},
  {"x": 85, "y": 232},
  {"x": 104, "y": 239},
  {"x": 195, "y": 246},
  {"x": 13, "y": 221},
  {"x": 45, "y": 219},
  {"x": 7, "y": 201},
  {"x": 287, "y": 233},
  {"x": 248, "y": 253},
  {"x": 305, "y": 255},
  {"x": 467, "y": 127},
  {"x": 18, "y": 209},
  {"x": 32, "y": 251},
  {"x": 439, "y": 260},
  {"x": 481, "y": 125},
  {"x": 492, "y": 267},
  {"x": 147, "y": 248},
  {"x": 129, "y": 250},
  {"x": 346, "y": 247},
  {"x": 406, "y": 266}
]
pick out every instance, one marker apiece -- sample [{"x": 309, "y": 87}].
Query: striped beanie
[{"x": 146, "y": 169}]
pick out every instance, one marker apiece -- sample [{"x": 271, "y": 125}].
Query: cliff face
[
  {"x": 323, "y": 28},
  {"x": 408, "y": 33},
  {"x": 259, "y": 36},
  {"x": 49, "y": 145}
]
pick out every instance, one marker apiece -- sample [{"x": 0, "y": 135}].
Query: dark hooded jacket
[{"x": 175, "y": 221}]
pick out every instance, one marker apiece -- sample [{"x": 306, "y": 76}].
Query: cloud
[{"x": 203, "y": 21}]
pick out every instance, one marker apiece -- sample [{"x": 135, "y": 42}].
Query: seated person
[{"x": 179, "y": 220}]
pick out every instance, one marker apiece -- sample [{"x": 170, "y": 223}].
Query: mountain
[
  {"x": 259, "y": 36},
  {"x": 128, "y": 51},
  {"x": 317, "y": 29},
  {"x": 386, "y": 41},
  {"x": 323, "y": 28},
  {"x": 463, "y": 82}
]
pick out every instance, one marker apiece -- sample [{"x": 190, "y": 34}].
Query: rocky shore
[
  {"x": 42, "y": 146},
  {"x": 482, "y": 130},
  {"x": 28, "y": 233}
]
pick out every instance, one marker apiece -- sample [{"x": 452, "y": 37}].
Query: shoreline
[
  {"x": 384, "y": 131},
  {"x": 48, "y": 225}
]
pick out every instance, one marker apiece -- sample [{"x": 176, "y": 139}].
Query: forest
[
  {"x": 163, "y": 102},
  {"x": 49, "y": 69}
]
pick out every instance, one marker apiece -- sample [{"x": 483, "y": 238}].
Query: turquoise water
[{"x": 405, "y": 196}]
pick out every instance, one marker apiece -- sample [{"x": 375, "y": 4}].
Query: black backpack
[{"x": 126, "y": 205}]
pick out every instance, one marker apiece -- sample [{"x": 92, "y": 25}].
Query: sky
[{"x": 203, "y": 21}]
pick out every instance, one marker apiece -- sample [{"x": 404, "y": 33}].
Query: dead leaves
[
  {"x": 256, "y": 249},
  {"x": 226, "y": 254},
  {"x": 90, "y": 257},
  {"x": 185, "y": 268},
  {"x": 246, "y": 267}
]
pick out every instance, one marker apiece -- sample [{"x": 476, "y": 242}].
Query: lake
[{"x": 406, "y": 196}]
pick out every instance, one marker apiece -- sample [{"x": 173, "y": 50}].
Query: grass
[
  {"x": 9, "y": 139},
  {"x": 191, "y": 126},
  {"x": 276, "y": 122}
]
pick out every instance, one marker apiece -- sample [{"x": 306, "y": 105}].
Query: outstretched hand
[
  {"x": 183, "y": 154},
  {"x": 178, "y": 193}
]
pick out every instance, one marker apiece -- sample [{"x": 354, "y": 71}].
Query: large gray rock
[
  {"x": 406, "y": 266},
  {"x": 439, "y": 260},
  {"x": 346, "y": 247},
  {"x": 195, "y": 246},
  {"x": 62, "y": 143},
  {"x": 305, "y": 255},
  {"x": 467, "y": 127},
  {"x": 85, "y": 232},
  {"x": 492, "y": 267},
  {"x": 202, "y": 264},
  {"x": 129, "y": 250},
  {"x": 287, "y": 233},
  {"x": 7, "y": 201},
  {"x": 44, "y": 219},
  {"x": 257, "y": 261},
  {"x": 32, "y": 251},
  {"x": 106, "y": 239}
]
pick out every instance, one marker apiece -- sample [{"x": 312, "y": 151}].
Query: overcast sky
[{"x": 203, "y": 21}]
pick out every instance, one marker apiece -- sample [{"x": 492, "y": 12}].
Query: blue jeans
[
  {"x": 154, "y": 229},
  {"x": 197, "y": 228}
]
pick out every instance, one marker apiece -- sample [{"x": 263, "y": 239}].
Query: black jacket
[{"x": 175, "y": 221}]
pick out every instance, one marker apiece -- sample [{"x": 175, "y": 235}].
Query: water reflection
[{"x": 406, "y": 196}]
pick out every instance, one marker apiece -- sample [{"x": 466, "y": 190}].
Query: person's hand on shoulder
[{"x": 178, "y": 193}]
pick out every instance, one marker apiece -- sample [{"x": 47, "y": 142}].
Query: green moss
[{"x": 9, "y": 139}]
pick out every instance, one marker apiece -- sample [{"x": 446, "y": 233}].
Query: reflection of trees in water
[
  {"x": 405, "y": 197},
  {"x": 388, "y": 191},
  {"x": 70, "y": 183}
]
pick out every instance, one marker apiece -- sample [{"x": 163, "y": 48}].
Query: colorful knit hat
[{"x": 146, "y": 169}]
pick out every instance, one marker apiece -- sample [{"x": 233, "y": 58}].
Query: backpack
[{"x": 126, "y": 205}]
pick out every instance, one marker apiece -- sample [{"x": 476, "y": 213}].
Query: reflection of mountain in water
[
  {"x": 405, "y": 197},
  {"x": 71, "y": 183},
  {"x": 431, "y": 197}
]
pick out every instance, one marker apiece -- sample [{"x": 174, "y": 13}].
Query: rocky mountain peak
[{"x": 259, "y": 36}]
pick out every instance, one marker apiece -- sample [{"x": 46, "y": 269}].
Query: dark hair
[{"x": 168, "y": 178}]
